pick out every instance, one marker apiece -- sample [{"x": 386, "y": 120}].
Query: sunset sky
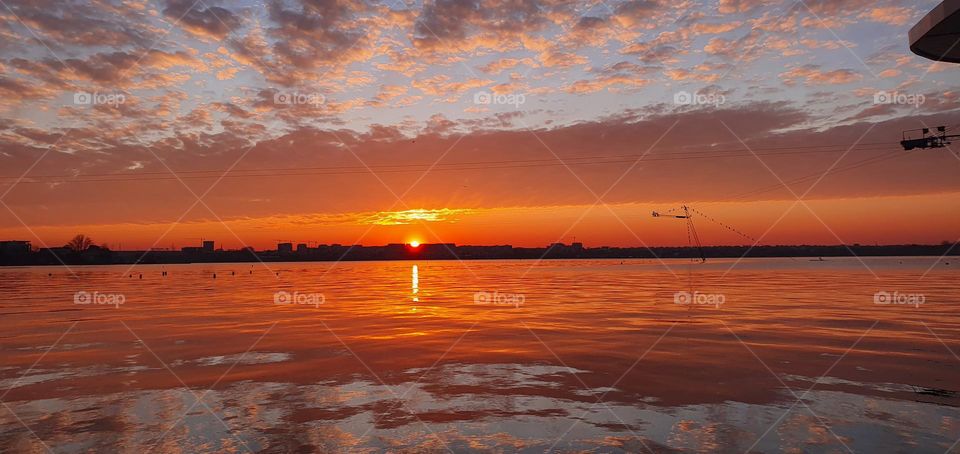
[{"x": 153, "y": 124}]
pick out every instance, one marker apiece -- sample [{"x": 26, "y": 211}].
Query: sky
[{"x": 154, "y": 124}]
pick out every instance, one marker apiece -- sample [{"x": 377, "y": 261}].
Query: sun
[{"x": 414, "y": 244}]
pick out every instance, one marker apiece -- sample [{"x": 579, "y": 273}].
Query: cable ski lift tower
[
  {"x": 927, "y": 139},
  {"x": 686, "y": 213},
  {"x": 692, "y": 236},
  {"x": 935, "y": 37}
]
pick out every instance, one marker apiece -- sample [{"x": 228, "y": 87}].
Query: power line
[
  {"x": 816, "y": 175},
  {"x": 851, "y": 166},
  {"x": 402, "y": 168}
]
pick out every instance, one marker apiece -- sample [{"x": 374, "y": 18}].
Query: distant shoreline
[{"x": 395, "y": 252}]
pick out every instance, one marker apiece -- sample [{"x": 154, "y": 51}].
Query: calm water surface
[{"x": 781, "y": 356}]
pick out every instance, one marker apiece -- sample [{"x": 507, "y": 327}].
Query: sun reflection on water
[{"x": 415, "y": 285}]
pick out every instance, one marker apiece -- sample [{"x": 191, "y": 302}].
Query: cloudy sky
[{"x": 152, "y": 124}]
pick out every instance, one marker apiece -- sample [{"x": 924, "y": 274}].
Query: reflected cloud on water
[
  {"x": 401, "y": 358},
  {"x": 488, "y": 407}
]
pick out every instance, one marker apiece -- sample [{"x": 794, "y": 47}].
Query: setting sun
[{"x": 555, "y": 225}]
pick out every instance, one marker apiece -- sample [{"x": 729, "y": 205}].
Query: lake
[{"x": 758, "y": 355}]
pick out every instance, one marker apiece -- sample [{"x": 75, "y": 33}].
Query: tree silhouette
[{"x": 80, "y": 243}]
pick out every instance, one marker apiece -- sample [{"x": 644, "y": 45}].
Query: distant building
[
  {"x": 431, "y": 247},
  {"x": 56, "y": 253},
  {"x": 301, "y": 248},
  {"x": 14, "y": 247},
  {"x": 56, "y": 250},
  {"x": 285, "y": 248},
  {"x": 560, "y": 250},
  {"x": 572, "y": 246},
  {"x": 208, "y": 246}
]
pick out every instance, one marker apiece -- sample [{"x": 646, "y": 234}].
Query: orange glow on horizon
[{"x": 865, "y": 220}]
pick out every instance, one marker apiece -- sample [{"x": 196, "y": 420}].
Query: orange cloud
[
  {"x": 893, "y": 15},
  {"x": 812, "y": 75}
]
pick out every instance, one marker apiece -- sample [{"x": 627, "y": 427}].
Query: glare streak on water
[{"x": 400, "y": 355}]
